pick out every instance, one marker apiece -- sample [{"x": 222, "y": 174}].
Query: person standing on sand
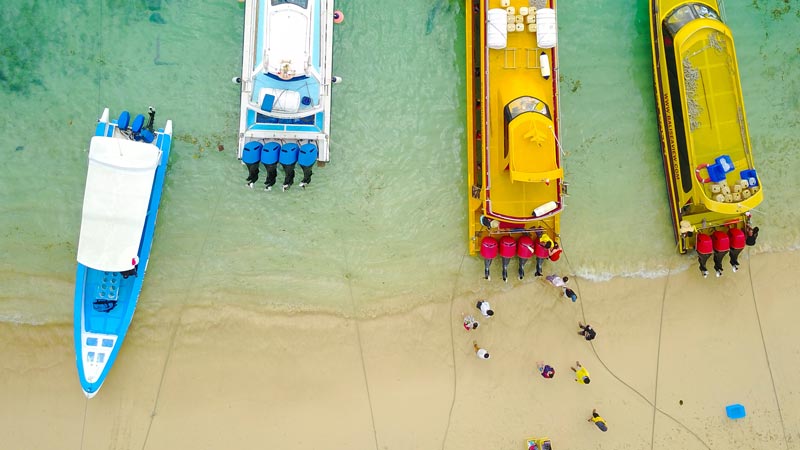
[
  {"x": 546, "y": 370},
  {"x": 586, "y": 331},
  {"x": 470, "y": 323},
  {"x": 752, "y": 235},
  {"x": 599, "y": 421},
  {"x": 581, "y": 374},
  {"x": 485, "y": 308},
  {"x": 481, "y": 353}
]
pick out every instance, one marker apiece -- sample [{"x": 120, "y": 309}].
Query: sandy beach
[{"x": 225, "y": 378}]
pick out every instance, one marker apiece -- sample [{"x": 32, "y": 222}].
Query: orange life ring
[{"x": 697, "y": 174}]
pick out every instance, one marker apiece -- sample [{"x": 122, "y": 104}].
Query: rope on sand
[
  {"x": 764, "y": 344},
  {"x": 361, "y": 350},
  {"x": 634, "y": 390},
  {"x": 453, "y": 351}
]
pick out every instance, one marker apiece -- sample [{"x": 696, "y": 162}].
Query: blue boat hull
[{"x": 105, "y": 301}]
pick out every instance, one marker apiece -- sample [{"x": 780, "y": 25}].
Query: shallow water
[{"x": 383, "y": 226}]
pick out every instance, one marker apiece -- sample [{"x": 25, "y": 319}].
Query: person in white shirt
[
  {"x": 481, "y": 353},
  {"x": 485, "y": 308},
  {"x": 557, "y": 281}
]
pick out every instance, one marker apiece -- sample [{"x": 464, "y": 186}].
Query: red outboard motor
[
  {"x": 488, "y": 251},
  {"x": 704, "y": 250},
  {"x": 524, "y": 253},
  {"x": 737, "y": 239},
  {"x": 721, "y": 247},
  {"x": 508, "y": 249}
]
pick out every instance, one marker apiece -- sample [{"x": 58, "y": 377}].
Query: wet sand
[{"x": 222, "y": 377}]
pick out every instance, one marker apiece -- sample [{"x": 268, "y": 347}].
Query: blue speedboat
[
  {"x": 286, "y": 80},
  {"x": 127, "y": 165}
]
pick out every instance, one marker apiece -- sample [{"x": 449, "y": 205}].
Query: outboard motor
[
  {"x": 737, "y": 240},
  {"x": 704, "y": 250},
  {"x": 524, "y": 253},
  {"x": 488, "y": 251},
  {"x": 721, "y": 248},
  {"x": 508, "y": 249}
]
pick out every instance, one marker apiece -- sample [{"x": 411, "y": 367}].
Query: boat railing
[{"x": 722, "y": 13}]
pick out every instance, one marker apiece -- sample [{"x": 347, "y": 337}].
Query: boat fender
[
  {"x": 704, "y": 245},
  {"x": 545, "y": 208},
  {"x": 508, "y": 247},
  {"x": 544, "y": 62},
  {"x": 698, "y": 176},
  {"x": 489, "y": 247},
  {"x": 525, "y": 247},
  {"x": 338, "y": 17}
]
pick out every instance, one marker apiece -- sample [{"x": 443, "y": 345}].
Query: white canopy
[
  {"x": 287, "y": 41},
  {"x": 118, "y": 187}
]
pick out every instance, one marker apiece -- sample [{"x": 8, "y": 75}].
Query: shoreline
[{"x": 221, "y": 376}]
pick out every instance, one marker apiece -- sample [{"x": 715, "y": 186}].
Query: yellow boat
[
  {"x": 514, "y": 161},
  {"x": 705, "y": 141}
]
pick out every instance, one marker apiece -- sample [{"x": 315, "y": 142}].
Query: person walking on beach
[
  {"x": 557, "y": 281},
  {"x": 570, "y": 294},
  {"x": 470, "y": 323},
  {"x": 480, "y": 352},
  {"x": 599, "y": 421},
  {"x": 546, "y": 370},
  {"x": 581, "y": 374},
  {"x": 587, "y": 331},
  {"x": 485, "y": 308}
]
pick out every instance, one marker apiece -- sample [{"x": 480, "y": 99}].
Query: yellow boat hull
[
  {"x": 705, "y": 141},
  {"x": 515, "y": 176}
]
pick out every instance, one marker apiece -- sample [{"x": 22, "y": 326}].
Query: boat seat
[
  {"x": 279, "y": 100},
  {"x": 124, "y": 120},
  {"x": 138, "y": 124}
]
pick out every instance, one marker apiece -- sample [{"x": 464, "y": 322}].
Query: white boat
[
  {"x": 286, "y": 81},
  {"x": 127, "y": 167}
]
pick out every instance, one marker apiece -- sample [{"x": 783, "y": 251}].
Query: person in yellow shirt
[
  {"x": 581, "y": 374},
  {"x": 599, "y": 421}
]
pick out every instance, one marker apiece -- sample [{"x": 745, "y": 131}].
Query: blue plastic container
[
  {"x": 270, "y": 153},
  {"x": 716, "y": 173},
  {"x": 289, "y": 153},
  {"x": 251, "y": 152},
  {"x": 308, "y": 155},
  {"x": 735, "y": 411},
  {"x": 724, "y": 162},
  {"x": 750, "y": 176}
]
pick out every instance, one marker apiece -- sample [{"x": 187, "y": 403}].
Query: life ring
[{"x": 697, "y": 174}]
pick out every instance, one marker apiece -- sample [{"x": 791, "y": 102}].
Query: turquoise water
[{"x": 383, "y": 226}]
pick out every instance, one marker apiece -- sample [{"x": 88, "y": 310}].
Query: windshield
[
  {"x": 685, "y": 14},
  {"x": 523, "y": 105},
  {"x": 301, "y": 3}
]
